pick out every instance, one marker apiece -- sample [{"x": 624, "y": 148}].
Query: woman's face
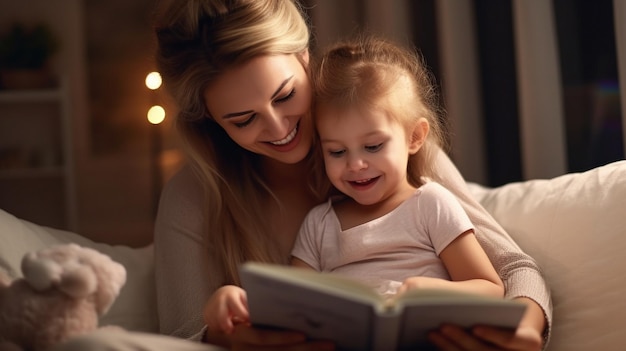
[{"x": 264, "y": 106}]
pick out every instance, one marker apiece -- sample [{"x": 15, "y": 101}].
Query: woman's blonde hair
[
  {"x": 362, "y": 70},
  {"x": 198, "y": 41}
]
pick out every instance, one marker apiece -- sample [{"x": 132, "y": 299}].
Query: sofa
[{"x": 574, "y": 225}]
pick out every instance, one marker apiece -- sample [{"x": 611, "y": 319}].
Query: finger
[
  {"x": 225, "y": 322},
  {"x": 524, "y": 338},
  {"x": 244, "y": 299},
  {"x": 496, "y": 336},
  {"x": 213, "y": 317},
  {"x": 309, "y": 346},
  {"x": 441, "y": 342},
  {"x": 266, "y": 337},
  {"x": 238, "y": 310},
  {"x": 402, "y": 289},
  {"x": 464, "y": 340}
]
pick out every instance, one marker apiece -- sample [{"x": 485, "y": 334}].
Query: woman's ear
[
  {"x": 418, "y": 136},
  {"x": 304, "y": 57}
]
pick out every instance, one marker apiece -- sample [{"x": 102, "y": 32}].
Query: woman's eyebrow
[
  {"x": 237, "y": 114},
  {"x": 282, "y": 85}
]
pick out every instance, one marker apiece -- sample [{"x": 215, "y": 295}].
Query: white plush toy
[{"x": 65, "y": 289}]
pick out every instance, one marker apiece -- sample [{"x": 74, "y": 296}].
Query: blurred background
[{"x": 530, "y": 90}]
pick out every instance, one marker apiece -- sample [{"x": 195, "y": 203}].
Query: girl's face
[
  {"x": 366, "y": 153},
  {"x": 264, "y": 106}
]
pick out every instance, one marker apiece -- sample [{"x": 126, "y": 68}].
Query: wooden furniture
[{"x": 36, "y": 161}]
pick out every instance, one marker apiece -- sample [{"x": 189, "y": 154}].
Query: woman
[{"x": 238, "y": 72}]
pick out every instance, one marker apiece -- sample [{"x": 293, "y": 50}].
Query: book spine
[{"x": 386, "y": 330}]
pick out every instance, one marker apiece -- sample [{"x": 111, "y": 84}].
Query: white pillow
[
  {"x": 135, "y": 307},
  {"x": 575, "y": 227}
]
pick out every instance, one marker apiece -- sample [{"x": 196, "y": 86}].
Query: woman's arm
[
  {"x": 183, "y": 282},
  {"x": 186, "y": 277},
  {"x": 520, "y": 273}
]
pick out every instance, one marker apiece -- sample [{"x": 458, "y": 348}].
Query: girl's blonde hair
[
  {"x": 362, "y": 70},
  {"x": 198, "y": 41}
]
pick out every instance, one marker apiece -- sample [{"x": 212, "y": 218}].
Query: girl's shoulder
[{"x": 431, "y": 190}]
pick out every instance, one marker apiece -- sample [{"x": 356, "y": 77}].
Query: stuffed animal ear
[
  {"x": 5, "y": 280},
  {"x": 78, "y": 281},
  {"x": 41, "y": 273},
  {"x": 111, "y": 277}
]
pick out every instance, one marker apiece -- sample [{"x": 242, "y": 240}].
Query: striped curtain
[{"x": 531, "y": 87}]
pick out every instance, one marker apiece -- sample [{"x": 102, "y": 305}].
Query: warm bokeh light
[
  {"x": 153, "y": 80},
  {"x": 156, "y": 114}
]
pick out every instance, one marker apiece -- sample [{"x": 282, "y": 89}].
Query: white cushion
[
  {"x": 135, "y": 307},
  {"x": 575, "y": 227}
]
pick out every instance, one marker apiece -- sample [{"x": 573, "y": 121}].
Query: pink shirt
[{"x": 384, "y": 252}]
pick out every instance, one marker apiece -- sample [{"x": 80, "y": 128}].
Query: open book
[{"x": 330, "y": 307}]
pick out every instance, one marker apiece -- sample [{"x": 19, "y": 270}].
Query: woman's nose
[{"x": 277, "y": 125}]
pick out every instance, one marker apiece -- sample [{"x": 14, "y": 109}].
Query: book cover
[{"x": 331, "y": 307}]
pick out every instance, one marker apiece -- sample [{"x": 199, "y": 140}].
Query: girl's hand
[
  {"x": 452, "y": 338},
  {"x": 227, "y": 307},
  {"x": 415, "y": 283}
]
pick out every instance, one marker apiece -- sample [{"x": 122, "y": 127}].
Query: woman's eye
[
  {"x": 246, "y": 122},
  {"x": 374, "y": 148},
  {"x": 286, "y": 97}
]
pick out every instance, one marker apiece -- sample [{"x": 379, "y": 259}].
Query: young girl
[
  {"x": 392, "y": 229},
  {"x": 377, "y": 132}
]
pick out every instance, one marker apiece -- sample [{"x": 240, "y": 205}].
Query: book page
[
  {"x": 330, "y": 283},
  {"x": 425, "y": 310},
  {"x": 320, "y": 315}
]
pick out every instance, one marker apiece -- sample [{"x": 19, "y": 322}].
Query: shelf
[
  {"x": 40, "y": 172},
  {"x": 36, "y": 164},
  {"x": 21, "y": 96}
]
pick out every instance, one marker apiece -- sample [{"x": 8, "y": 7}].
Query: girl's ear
[{"x": 418, "y": 136}]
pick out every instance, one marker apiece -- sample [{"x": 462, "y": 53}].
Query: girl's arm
[
  {"x": 520, "y": 273},
  {"x": 468, "y": 267}
]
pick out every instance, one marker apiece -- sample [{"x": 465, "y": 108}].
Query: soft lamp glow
[
  {"x": 153, "y": 80},
  {"x": 156, "y": 114}
]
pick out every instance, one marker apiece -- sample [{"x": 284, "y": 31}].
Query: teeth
[
  {"x": 362, "y": 181},
  {"x": 287, "y": 139}
]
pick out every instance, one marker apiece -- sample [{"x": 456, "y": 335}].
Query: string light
[
  {"x": 156, "y": 114},
  {"x": 153, "y": 80}
]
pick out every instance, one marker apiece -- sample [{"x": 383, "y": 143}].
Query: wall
[{"x": 115, "y": 191}]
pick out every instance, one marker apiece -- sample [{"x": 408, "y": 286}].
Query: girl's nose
[{"x": 356, "y": 163}]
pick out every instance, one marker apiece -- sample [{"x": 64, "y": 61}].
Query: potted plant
[{"x": 25, "y": 53}]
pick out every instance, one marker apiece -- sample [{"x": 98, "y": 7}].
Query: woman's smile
[{"x": 287, "y": 139}]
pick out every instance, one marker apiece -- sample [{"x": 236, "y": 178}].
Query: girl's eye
[
  {"x": 246, "y": 122},
  {"x": 286, "y": 97},
  {"x": 374, "y": 148},
  {"x": 336, "y": 153}
]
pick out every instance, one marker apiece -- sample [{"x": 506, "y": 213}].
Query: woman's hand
[
  {"x": 244, "y": 337},
  {"x": 227, "y": 319},
  {"x": 527, "y": 336},
  {"x": 452, "y": 338}
]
